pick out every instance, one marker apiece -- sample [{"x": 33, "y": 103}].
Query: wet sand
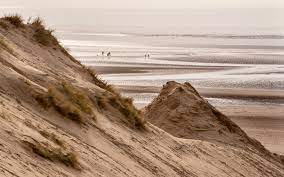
[
  {"x": 277, "y": 95},
  {"x": 161, "y": 69}
]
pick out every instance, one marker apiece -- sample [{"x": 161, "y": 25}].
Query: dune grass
[
  {"x": 126, "y": 107},
  {"x": 112, "y": 97},
  {"x": 41, "y": 34},
  {"x": 77, "y": 97},
  {"x": 68, "y": 101},
  {"x": 14, "y": 19},
  {"x": 99, "y": 82},
  {"x": 55, "y": 154},
  {"x": 123, "y": 105},
  {"x": 52, "y": 137},
  {"x": 101, "y": 100}
]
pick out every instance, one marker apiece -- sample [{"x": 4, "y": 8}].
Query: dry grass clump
[
  {"x": 99, "y": 82},
  {"x": 41, "y": 34},
  {"x": 52, "y": 137},
  {"x": 102, "y": 101},
  {"x": 78, "y": 98},
  {"x": 55, "y": 154},
  {"x": 14, "y": 19},
  {"x": 67, "y": 101},
  {"x": 111, "y": 96},
  {"x": 126, "y": 107}
]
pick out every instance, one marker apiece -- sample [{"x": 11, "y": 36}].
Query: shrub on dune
[
  {"x": 41, "y": 34},
  {"x": 15, "y": 19}
]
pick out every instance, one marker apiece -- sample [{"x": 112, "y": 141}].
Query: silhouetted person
[{"x": 109, "y": 54}]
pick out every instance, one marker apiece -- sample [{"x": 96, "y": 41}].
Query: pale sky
[{"x": 144, "y": 4}]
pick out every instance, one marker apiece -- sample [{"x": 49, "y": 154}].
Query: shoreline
[{"x": 214, "y": 92}]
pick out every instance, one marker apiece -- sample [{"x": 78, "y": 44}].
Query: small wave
[
  {"x": 94, "y": 34},
  {"x": 212, "y": 36}
]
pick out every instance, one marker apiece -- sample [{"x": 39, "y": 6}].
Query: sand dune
[{"x": 57, "y": 118}]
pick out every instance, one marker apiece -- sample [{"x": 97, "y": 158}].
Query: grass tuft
[
  {"x": 68, "y": 101},
  {"x": 125, "y": 106},
  {"x": 41, "y": 34},
  {"x": 14, "y": 19},
  {"x": 55, "y": 154},
  {"x": 78, "y": 98},
  {"x": 52, "y": 137},
  {"x": 99, "y": 82}
]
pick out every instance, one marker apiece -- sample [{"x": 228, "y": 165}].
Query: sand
[{"x": 104, "y": 147}]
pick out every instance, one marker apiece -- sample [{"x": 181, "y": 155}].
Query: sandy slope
[{"x": 105, "y": 147}]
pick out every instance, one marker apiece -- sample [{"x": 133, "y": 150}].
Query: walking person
[{"x": 108, "y": 54}]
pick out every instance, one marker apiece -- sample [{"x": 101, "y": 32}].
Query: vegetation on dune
[
  {"x": 68, "y": 101},
  {"x": 41, "y": 34},
  {"x": 126, "y": 107},
  {"x": 102, "y": 100},
  {"x": 14, "y": 19},
  {"x": 112, "y": 97},
  {"x": 123, "y": 105},
  {"x": 65, "y": 99},
  {"x": 55, "y": 154},
  {"x": 77, "y": 97},
  {"x": 52, "y": 137},
  {"x": 99, "y": 82}
]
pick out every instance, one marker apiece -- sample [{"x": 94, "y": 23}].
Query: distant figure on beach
[
  {"x": 103, "y": 53},
  {"x": 108, "y": 54},
  {"x": 147, "y": 55}
]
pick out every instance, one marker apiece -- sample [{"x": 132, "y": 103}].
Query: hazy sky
[{"x": 146, "y": 3}]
